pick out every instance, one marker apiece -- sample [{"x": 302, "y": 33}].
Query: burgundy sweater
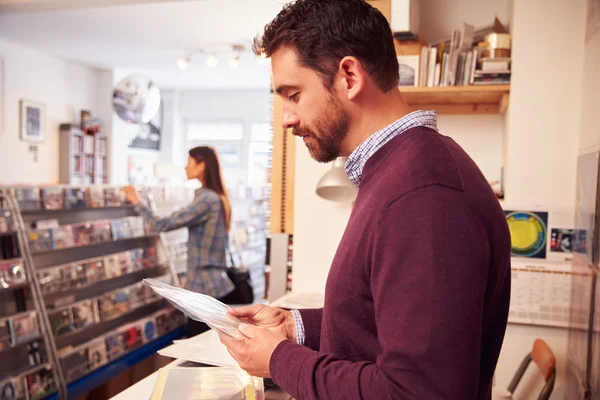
[{"x": 417, "y": 296}]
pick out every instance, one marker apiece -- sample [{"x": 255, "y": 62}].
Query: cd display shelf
[{"x": 75, "y": 272}]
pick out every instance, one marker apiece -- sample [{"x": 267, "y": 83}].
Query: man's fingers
[
  {"x": 247, "y": 330},
  {"x": 246, "y": 312},
  {"x": 230, "y": 342}
]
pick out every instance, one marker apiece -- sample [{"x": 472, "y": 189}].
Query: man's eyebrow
[{"x": 286, "y": 88}]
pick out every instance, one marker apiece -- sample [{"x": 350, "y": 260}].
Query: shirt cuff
[{"x": 299, "y": 326}]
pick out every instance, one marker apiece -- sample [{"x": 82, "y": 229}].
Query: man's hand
[
  {"x": 132, "y": 195},
  {"x": 272, "y": 318},
  {"x": 253, "y": 353}
]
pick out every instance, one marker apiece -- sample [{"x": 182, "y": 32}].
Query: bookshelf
[{"x": 470, "y": 99}]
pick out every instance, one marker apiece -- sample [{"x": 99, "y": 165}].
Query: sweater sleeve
[
  {"x": 428, "y": 276},
  {"x": 194, "y": 211},
  {"x": 311, "y": 319}
]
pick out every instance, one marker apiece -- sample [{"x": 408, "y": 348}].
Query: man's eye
[{"x": 294, "y": 97}]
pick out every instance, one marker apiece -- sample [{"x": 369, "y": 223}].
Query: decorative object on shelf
[
  {"x": 335, "y": 184},
  {"x": 33, "y": 121},
  {"x": 409, "y": 70},
  {"x": 136, "y": 99}
]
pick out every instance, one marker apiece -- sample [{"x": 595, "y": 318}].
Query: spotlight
[
  {"x": 183, "y": 62},
  {"x": 211, "y": 61},
  {"x": 234, "y": 62}
]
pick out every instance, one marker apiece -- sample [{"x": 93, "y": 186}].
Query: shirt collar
[{"x": 359, "y": 157}]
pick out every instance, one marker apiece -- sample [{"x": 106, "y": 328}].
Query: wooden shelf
[{"x": 489, "y": 99}]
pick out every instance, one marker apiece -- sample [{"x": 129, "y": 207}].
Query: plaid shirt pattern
[
  {"x": 359, "y": 157},
  {"x": 207, "y": 241}
]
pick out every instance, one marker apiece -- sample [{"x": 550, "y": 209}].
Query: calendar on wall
[{"x": 541, "y": 294}]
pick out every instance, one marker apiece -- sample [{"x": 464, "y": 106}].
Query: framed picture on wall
[{"x": 33, "y": 121}]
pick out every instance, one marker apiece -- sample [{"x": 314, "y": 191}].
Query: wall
[
  {"x": 318, "y": 225},
  {"x": 440, "y": 17},
  {"x": 64, "y": 87},
  {"x": 541, "y": 146}
]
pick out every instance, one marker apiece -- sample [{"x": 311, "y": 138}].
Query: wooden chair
[{"x": 543, "y": 357}]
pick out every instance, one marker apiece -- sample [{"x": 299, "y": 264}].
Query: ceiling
[{"x": 150, "y": 36}]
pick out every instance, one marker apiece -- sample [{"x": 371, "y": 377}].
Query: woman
[{"x": 208, "y": 219}]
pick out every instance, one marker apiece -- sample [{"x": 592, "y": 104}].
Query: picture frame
[
  {"x": 33, "y": 121},
  {"x": 409, "y": 70}
]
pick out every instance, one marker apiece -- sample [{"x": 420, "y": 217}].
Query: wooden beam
[
  {"x": 504, "y": 103},
  {"x": 277, "y": 171}
]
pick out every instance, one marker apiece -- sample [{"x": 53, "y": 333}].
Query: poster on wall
[
  {"x": 593, "y": 19},
  {"x": 149, "y": 134},
  {"x": 528, "y": 233},
  {"x": 33, "y": 121}
]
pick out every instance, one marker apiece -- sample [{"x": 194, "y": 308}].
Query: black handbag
[{"x": 240, "y": 276}]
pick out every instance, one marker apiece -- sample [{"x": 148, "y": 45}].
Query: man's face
[{"x": 312, "y": 111}]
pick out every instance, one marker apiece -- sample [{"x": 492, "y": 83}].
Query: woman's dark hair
[
  {"x": 213, "y": 179},
  {"x": 324, "y": 31}
]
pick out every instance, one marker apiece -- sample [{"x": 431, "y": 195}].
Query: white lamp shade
[{"x": 335, "y": 184}]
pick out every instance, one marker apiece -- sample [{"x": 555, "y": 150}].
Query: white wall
[
  {"x": 481, "y": 136},
  {"x": 542, "y": 146},
  {"x": 64, "y": 87},
  {"x": 440, "y": 17},
  {"x": 589, "y": 138},
  {"x": 318, "y": 225}
]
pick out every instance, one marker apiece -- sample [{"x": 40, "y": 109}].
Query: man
[{"x": 417, "y": 296}]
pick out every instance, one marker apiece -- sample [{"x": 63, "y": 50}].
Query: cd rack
[{"x": 74, "y": 268}]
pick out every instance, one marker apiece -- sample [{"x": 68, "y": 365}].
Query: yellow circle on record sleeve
[{"x": 523, "y": 234}]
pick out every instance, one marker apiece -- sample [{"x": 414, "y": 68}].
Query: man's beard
[{"x": 332, "y": 125}]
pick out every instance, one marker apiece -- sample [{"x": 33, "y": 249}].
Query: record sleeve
[
  {"x": 83, "y": 234},
  {"x": 84, "y": 314},
  {"x": 40, "y": 383},
  {"x": 12, "y": 274},
  {"x": 97, "y": 354},
  {"x": 76, "y": 364},
  {"x": 60, "y": 321},
  {"x": 63, "y": 237},
  {"x": 136, "y": 226},
  {"x": 7, "y": 222},
  {"x": 5, "y": 339},
  {"x": 50, "y": 280},
  {"x": 74, "y": 198},
  {"x": 148, "y": 329},
  {"x": 121, "y": 229},
  {"x": 24, "y": 328},
  {"x": 41, "y": 240},
  {"x": 162, "y": 323},
  {"x": 112, "y": 266},
  {"x": 102, "y": 231},
  {"x": 12, "y": 389},
  {"x": 132, "y": 337},
  {"x": 52, "y": 198},
  {"x": 95, "y": 271},
  {"x": 94, "y": 197},
  {"x": 115, "y": 345},
  {"x": 125, "y": 263},
  {"x": 112, "y": 197},
  {"x": 29, "y": 199}
]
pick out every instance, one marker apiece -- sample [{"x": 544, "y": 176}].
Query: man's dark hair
[{"x": 324, "y": 31}]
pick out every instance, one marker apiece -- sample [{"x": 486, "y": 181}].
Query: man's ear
[{"x": 353, "y": 77}]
